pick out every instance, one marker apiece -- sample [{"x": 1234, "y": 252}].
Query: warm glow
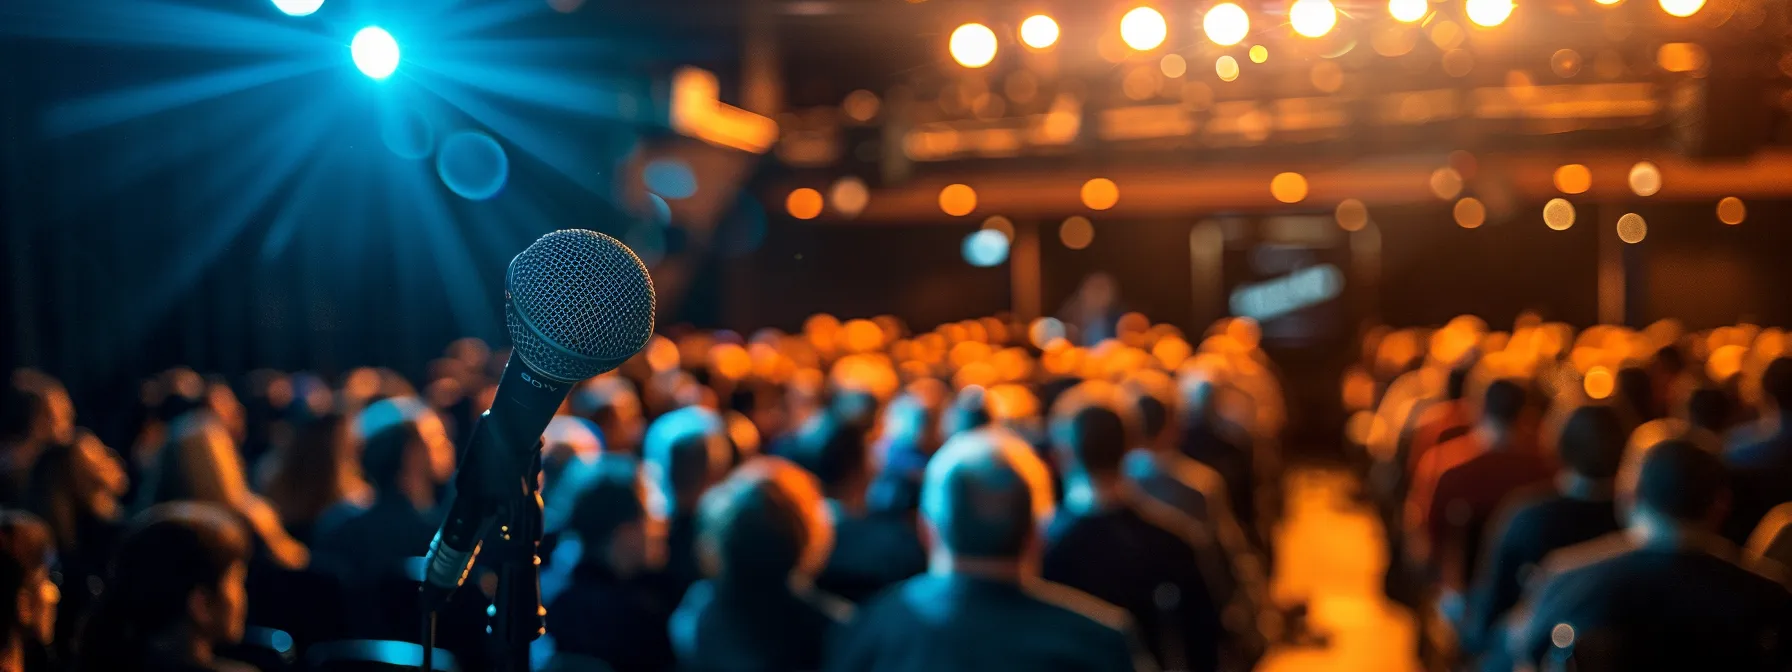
[
  {"x": 1446, "y": 183},
  {"x": 1173, "y": 66},
  {"x": 1682, "y": 57},
  {"x": 1682, "y": 8},
  {"x": 1408, "y": 11},
  {"x": 1632, "y": 228},
  {"x": 958, "y": 200},
  {"x": 1039, "y": 31},
  {"x": 1488, "y": 13},
  {"x": 804, "y": 203},
  {"x": 1001, "y": 225},
  {"x": 1558, "y": 214},
  {"x": 1100, "y": 193},
  {"x": 1565, "y": 62},
  {"x": 1731, "y": 211},
  {"x": 1227, "y": 24},
  {"x": 1608, "y": 2},
  {"x": 1076, "y": 233},
  {"x": 1352, "y": 215},
  {"x": 861, "y": 105},
  {"x": 1313, "y": 18},
  {"x": 1645, "y": 179},
  {"x": 1599, "y": 383},
  {"x": 1470, "y": 213},
  {"x": 1143, "y": 29},
  {"x": 1226, "y": 67},
  {"x": 1574, "y": 179},
  {"x": 1259, "y": 54},
  {"x": 849, "y": 196},
  {"x": 973, "y": 45},
  {"x": 1288, "y": 187}
]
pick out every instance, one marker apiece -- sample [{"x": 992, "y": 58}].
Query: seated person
[
  {"x": 26, "y": 553},
  {"x": 872, "y": 550},
  {"x": 686, "y": 451},
  {"x": 1669, "y": 594},
  {"x": 982, "y": 605},
  {"x": 608, "y": 612},
  {"x": 763, "y": 535}
]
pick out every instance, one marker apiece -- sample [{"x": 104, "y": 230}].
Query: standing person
[
  {"x": 981, "y": 605},
  {"x": 176, "y": 592},
  {"x": 30, "y": 624}
]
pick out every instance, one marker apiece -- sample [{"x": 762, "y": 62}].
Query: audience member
[
  {"x": 981, "y": 606},
  {"x": 764, "y": 537},
  {"x": 176, "y": 592},
  {"x": 611, "y": 403},
  {"x": 317, "y": 470},
  {"x": 26, "y": 554},
  {"x": 75, "y": 490},
  {"x": 35, "y": 414},
  {"x": 1668, "y": 596},
  {"x": 1761, "y": 456},
  {"x": 608, "y": 612},
  {"x": 1212, "y": 440},
  {"x": 1130, "y": 551},
  {"x": 872, "y": 549},
  {"x": 1534, "y": 523},
  {"x": 685, "y": 452}
]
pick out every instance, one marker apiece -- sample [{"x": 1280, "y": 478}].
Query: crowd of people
[
  {"x": 1611, "y": 499},
  {"x": 853, "y": 496}
]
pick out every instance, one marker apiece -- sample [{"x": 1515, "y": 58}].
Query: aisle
[{"x": 1332, "y": 557}]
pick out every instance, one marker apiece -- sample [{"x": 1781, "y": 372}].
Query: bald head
[{"x": 985, "y": 494}]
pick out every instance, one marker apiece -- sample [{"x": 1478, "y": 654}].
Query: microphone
[{"x": 577, "y": 304}]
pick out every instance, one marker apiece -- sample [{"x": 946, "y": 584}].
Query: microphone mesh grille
[{"x": 579, "y": 303}]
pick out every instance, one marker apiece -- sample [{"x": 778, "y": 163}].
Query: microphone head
[{"x": 577, "y": 303}]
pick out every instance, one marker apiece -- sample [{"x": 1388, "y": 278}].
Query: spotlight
[
  {"x": 1408, "y": 11},
  {"x": 1226, "y": 24},
  {"x": 1039, "y": 31},
  {"x": 1143, "y": 29},
  {"x": 298, "y": 7},
  {"x": 375, "y": 52},
  {"x": 973, "y": 45},
  {"x": 1682, "y": 8},
  {"x": 1313, "y": 18},
  {"x": 1488, "y": 13}
]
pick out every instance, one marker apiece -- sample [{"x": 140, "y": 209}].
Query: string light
[
  {"x": 1558, "y": 214},
  {"x": 1645, "y": 179},
  {"x": 1631, "y": 228}
]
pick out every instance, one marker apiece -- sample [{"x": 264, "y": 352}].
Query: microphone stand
[{"x": 517, "y": 613}]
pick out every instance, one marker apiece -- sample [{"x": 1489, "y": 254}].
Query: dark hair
[
  {"x": 755, "y": 526},
  {"x": 20, "y": 408},
  {"x": 832, "y": 449},
  {"x": 170, "y": 551},
  {"x": 1776, "y": 383},
  {"x": 1592, "y": 441},
  {"x": 1456, "y": 384},
  {"x": 54, "y": 493},
  {"x": 1504, "y": 401},
  {"x": 1637, "y": 392},
  {"x": 1680, "y": 480},
  {"x": 1710, "y": 408},
  {"x": 383, "y": 456},
  {"x": 25, "y": 549},
  {"x": 309, "y": 475},
  {"x": 1094, "y": 437},
  {"x": 606, "y": 503}
]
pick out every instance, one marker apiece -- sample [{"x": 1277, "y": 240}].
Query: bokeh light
[
  {"x": 973, "y": 45},
  {"x": 661, "y": 210},
  {"x": 1352, "y": 215},
  {"x": 958, "y": 200},
  {"x": 861, "y": 105},
  {"x": 1573, "y": 179},
  {"x": 1226, "y": 24},
  {"x": 985, "y": 248},
  {"x": 1173, "y": 66},
  {"x": 1558, "y": 214},
  {"x": 298, "y": 7},
  {"x": 1446, "y": 183},
  {"x": 1001, "y": 225},
  {"x": 1565, "y": 62},
  {"x": 1645, "y": 179},
  {"x": 669, "y": 177},
  {"x": 804, "y": 203},
  {"x": 1631, "y": 228},
  {"x": 1039, "y": 31},
  {"x": 1682, "y": 8},
  {"x": 1076, "y": 232},
  {"x": 1100, "y": 193},
  {"x": 1599, "y": 383},
  {"x": 375, "y": 52},
  {"x": 1288, "y": 187},
  {"x": 1731, "y": 210},
  {"x": 1259, "y": 54},
  {"x": 1226, "y": 67},
  {"x": 1408, "y": 11},
  {"x": 473, "y": 165},
  {"x": 1470, "y": 213},
  {"x": 849, "y": 196},
  {"x": 1313, "y": 18},
  {"x": 1488, "y": 13},
  {"x": 407, "y": 133},
  {"x": 1143, "y": 29}
]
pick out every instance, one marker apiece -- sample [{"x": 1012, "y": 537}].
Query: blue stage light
[
  {"x": 985, "y": 248},
  {"x": 407, "y": 133},
  {"x": 298, "y": 7},
  {"x": 473, "y": 165},
  {"x": 375, "y": 52}
]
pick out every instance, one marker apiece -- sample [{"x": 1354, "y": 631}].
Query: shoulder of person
[
  {"x": 1173, "y": 522},
  {"x": 1586, "y": 554},
  {"x": 831, "y": 606},
  {"x": 1081, "y": 604}
]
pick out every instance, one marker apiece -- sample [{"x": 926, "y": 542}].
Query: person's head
[
  {"x": 1152, "y": 396},
  {"x": 1677, "y": 481},
  {"x": 968, "y": 410},
  {"x": 1090, "y": 430},
  {"x": 319, "y": 468},
  {"x": 1636, "y": 393},
  {"x": 75, "y": 481},
  {"x": 1592, "y": 442},
  {"x": 175, "y": 580},
  {"x": 1507, "y": 405},
  {"x": 1710, "y": 408},
  {"x": 984, "y": 497},
  {"x": 611, "y": 403},
  {"x": 35, "y": 409},
  {"x": 765, "y": 525},
  {"x": 834, "y": 451},
  {"x": 26, "y": 554},
  {"x": 200, "y": 463},
  {"x": 686, "y": 451},
  {"x": 405, "y": 451},
  {"x": 615, "y": 527},
  {"x": 1776, "y": 387}
]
